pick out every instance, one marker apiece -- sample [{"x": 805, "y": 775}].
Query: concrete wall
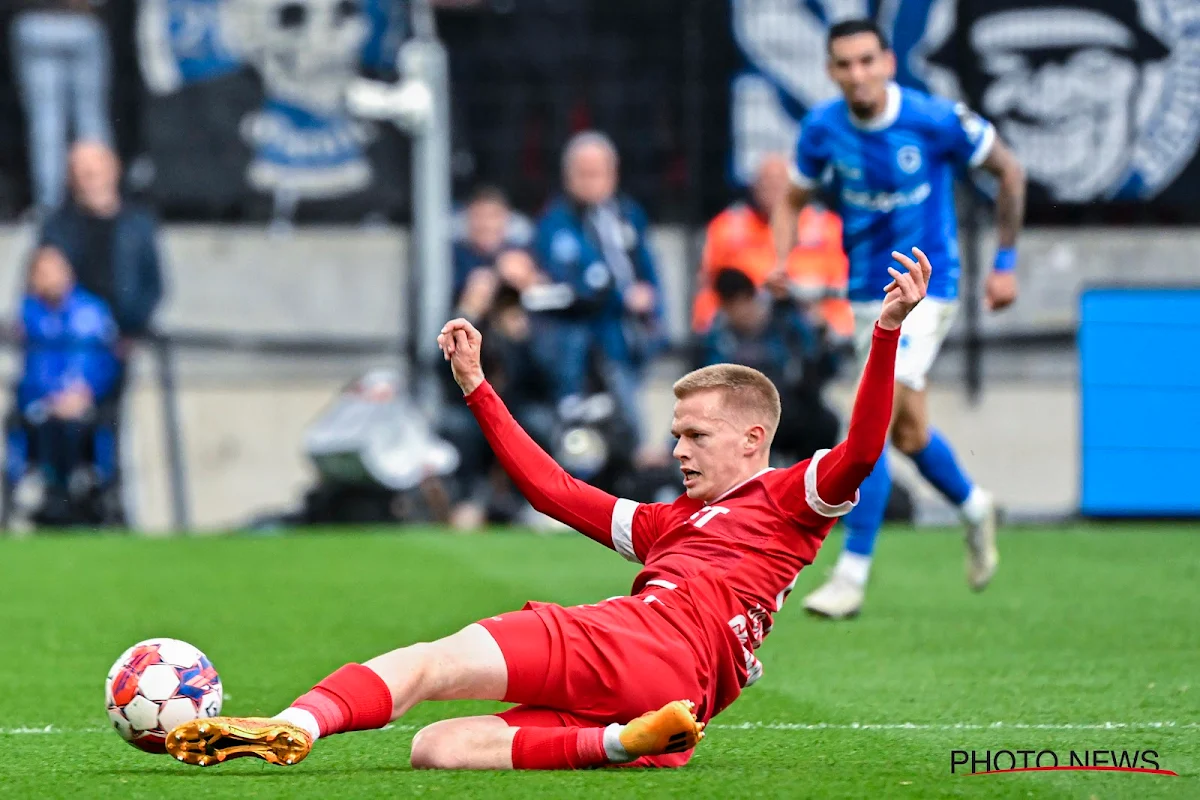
[{"x": 243, "y": 416}]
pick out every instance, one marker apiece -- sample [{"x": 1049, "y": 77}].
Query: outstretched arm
[
  {"x": 840, "y": 471},
  {"x": 546, "y": 485},
  {"x": 831, "y": 479}
]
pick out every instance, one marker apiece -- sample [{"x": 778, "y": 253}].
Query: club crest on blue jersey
[{"x": 909, "y": 158}]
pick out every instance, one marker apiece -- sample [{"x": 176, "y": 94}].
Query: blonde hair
[{"x": 744, "y": 388}]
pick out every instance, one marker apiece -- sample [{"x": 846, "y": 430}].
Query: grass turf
[{"x": 1084, "y": 626}]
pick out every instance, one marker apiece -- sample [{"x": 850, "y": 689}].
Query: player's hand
[
  {"x": 1001, "y": 290},
  {"x": 460, "y": 342},
  {"x": 778, "y": 283},
  {"x": 906, "y": 289}
]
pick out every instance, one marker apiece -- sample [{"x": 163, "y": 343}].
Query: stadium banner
[
  {"x": 1099, "y": 98},
  {"x": 245, "y": 105}
]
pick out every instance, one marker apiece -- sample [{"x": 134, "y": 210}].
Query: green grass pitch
[{"x": 1089, "y": 639}]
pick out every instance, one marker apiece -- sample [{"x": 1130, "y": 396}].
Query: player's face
[
  {"x": 711, "y": 447},
  {"x": 862, "y": 69}
]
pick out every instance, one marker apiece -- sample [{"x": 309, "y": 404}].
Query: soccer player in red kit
[{"x": 633, "y": 679}]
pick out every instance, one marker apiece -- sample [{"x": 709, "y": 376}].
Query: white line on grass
[
  {"x": 957, "y": 726},
  {"x": 32, "y": 730}
]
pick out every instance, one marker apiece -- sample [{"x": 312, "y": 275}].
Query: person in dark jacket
[
  {"x": 111, "y": 243},
  {"x": 70, "y": 369},
  {"x": 594, "y": 241}
]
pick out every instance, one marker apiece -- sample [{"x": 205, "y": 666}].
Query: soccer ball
[{"x": 156, "y": 685}]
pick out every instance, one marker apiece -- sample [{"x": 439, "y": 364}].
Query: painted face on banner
[
  {"x": 1061, "y": 86},
  {"x": 306, "y": 52},
  {"x": 1083, "y": 90}
]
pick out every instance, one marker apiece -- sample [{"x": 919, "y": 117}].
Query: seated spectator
[
  {"x": 740, "y": 237},
  {"x": 490, "y": 276},
  {"x": 766, "y": 331},
  {"x": 593, "y": 242},
  {"x": 63, "y": 68},
  {"x": 70, "y": 369},
  {"x": 111, "y": 243}
]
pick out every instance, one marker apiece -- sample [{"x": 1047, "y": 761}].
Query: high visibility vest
[{"x": 740, "y": 238}]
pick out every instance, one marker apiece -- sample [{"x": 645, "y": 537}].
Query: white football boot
[
  {"x": 840, "y": 598},
  {"x": 982, "y": 555}
]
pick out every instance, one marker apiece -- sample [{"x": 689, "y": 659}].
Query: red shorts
[{"x": 604, "y": 663}]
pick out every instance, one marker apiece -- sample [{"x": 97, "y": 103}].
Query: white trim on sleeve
[
  {"x": 814, "y": 500},
  {"x": 622, "y": 529},
  {"x": 984, "y": 148}
]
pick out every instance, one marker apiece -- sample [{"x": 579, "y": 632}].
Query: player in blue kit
[{"x": 888, "y": 157}]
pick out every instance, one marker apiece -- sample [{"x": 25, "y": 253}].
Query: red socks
[
  {"x": 354, "y": 698},
  {"x": 558, "y": 748}
]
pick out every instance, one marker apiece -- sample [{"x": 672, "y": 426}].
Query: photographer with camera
[{"x": 492, "y": 269}]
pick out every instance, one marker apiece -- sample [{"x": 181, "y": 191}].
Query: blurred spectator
[
  {"x": 486, "y": 228},
  {"x": 594, "y": 241},
  {"x": 111, "y": 243},
  {"x": 766, "y": 331},
  {"x": 62, "y": 64},
  {"x": 740, "y": 237},
  {"x": 70, "y": 370},
  {"x": 490, "y": 274}
]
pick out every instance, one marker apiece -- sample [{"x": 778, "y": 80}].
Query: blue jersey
[
  {"x": 65, "y": 344},
  {"x": 893, "y": 181}
]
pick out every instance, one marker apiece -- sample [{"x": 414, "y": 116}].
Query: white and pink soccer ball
[{"x": 156, "y": 685}]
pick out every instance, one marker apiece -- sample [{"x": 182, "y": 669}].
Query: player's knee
[
  {"x": 407, "y": 670},
  {"x": 909, "y": 435},
  {"x": 439, "y": 746},
  {"x": 457, "y": 745}
]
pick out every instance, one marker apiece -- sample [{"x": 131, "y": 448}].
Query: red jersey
[
  {"x": 738, "y": 555},
  {"x": 757, "y": 536}
]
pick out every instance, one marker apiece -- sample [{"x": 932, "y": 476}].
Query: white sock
[
  {"x": 301, "y": 719},
  {"x": 853, "y": 567},
  {"x": 976, "y": 507},
  {"x": 612, "y": 745}
]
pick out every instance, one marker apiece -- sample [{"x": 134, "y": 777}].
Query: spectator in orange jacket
[{"x": 740, "y": 237}]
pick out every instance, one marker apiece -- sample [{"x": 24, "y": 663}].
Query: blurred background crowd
[{"x": 214, "y": 286}]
